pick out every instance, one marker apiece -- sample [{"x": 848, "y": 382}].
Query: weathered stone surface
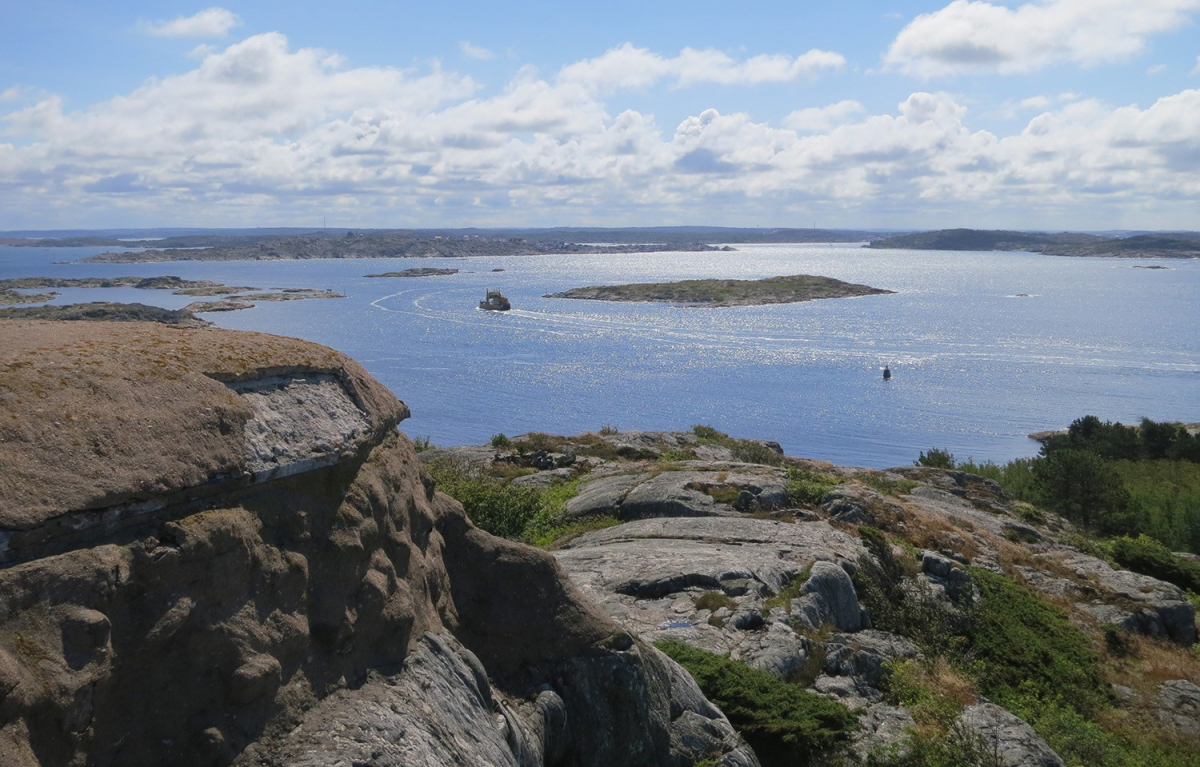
[
  {"x": 545, "y": 478},
  {"x": 437, "y": 710},
  {"x": 1179, "y": 706},
  {"x": 863, "y": 655},
  {"x": 648, "y": 574},
  {"x": 223, "y": 617},
  {"x": 828, "y": 597},
  {"x": 1014, "y": 741},
  {"x": 602, "y": 496},
  {"x": 1138, "y": 602}
]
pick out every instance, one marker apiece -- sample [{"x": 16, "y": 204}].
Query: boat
[
  {"x": 887, "y": 372},
  {"x": 494, "y": 301}
]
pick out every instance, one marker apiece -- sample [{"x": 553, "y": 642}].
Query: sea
[{"x": 984, "y": 348}]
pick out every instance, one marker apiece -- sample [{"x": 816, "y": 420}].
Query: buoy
[{"x": 887, "y": 373}]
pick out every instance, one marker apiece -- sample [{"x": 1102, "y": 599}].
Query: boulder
[
  {"x": 865, "y": 655},
  {"x": 1014, "y": 742},
  {"x": 828, "y": 597}
]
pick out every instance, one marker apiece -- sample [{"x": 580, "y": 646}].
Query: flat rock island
[{"x": 717, "y": 293}]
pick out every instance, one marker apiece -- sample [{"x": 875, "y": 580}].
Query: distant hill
[
  {"x": 1183, "y": 245},
  {"x": 661, "y": 235},
  {"x": 1171, "y": 245},
  {"x": 982, "y": 239}
]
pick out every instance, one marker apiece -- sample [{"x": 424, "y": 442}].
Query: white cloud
[
  {"x": 476, "y": 52},
  {"x": 629, "y": 67},
  {"x": 1156, "y": 69},
  {"x": 211, "y": 22},
  {"x": 260, "y": 132},
  {"x": 972, "y": 36},
  {"x": 816, "y": 119},
  {"x": 1196, "y": 71}
]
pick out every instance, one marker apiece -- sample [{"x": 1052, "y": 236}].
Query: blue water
[{"x": 975, "y": 368}]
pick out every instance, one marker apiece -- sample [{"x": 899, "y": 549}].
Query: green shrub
[
  {"x": 509, "y": 511},
  {"x": 1149, "y": 557},
  {"x": 784, "y": 723},
  {"x": 902, "y": 604},
  {"x": 750, "y": 451},
  {"x": 744, "y": 450},
  {"x": 1026, "y": 647},
  {"x": 936, "y": 458},
  {"x": 500, "y": 440},
  {"x": 806, "y": 488},
  {"x": 1016, "y": 477},
  {"x": 423, "y": 443},
  {"x": 708, "y": 435},
  {"x": 884, "y": 485},
  {"x": 536, "y": 441}
]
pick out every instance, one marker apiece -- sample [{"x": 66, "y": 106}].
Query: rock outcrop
[{"x": 217, "y": 547}]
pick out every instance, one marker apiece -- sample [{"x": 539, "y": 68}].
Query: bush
[
  {"x": 936, "y": 458},
  {"x": 901, "y": 604},
  {"x": 519, "y": 513},
  {"x": 744, "y": 450},
  {"x": 806, "y": 488},
  {"x": 500, "y": 440},
  {"x": 784, "y": 723},
  {"x": 1149, "y": 557},
  {"x": 1026, "y": 647}
]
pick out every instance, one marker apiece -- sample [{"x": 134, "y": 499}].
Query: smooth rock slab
[
  {"x": 647, "y": 573},
  {"x": 1014, "y": 741}
]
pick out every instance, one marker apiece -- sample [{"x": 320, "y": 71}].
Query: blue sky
[{"x": 1050, "y": 114}]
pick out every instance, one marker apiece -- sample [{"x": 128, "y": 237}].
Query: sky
[{"x": 1037, "y": 114}]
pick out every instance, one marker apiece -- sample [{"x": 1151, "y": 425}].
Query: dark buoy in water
[{"x": 887, "y": 373}]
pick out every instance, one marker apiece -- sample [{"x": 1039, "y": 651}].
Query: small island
[
  {"x": 231, "y": 297},
  {"x": 178, "y": 285},
  {"x": 718, "y": 293},
  {"x": 424, "y": 271}
]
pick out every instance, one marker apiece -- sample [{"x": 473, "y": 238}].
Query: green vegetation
[
  {"x": 784, "y": 723},
  {"x": 1026, "y": 648},
  {"x": 714, "y": 600},
  {"x": 1145, "y": 555},
  {"x": 982, "y": 239},
  {"x": 936, "y": 458},
  {"x": 744, "y": 450},
  {"x": 1018, "y": 650},
  {"x": 956, "y": 747},
  {"x": 100, "y": 310},
  {"x": 773, "y": 290},
  {"x": 900, "y": 603},
  {"x": 422, "y": 443},
  {"x": 885, "y": 485},
  {"x": 500, "y": 440},
  {"x": 530, "y": 514},
  {"x": 1112, "y": 479},
  {"x": 806, "y": 488}
]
